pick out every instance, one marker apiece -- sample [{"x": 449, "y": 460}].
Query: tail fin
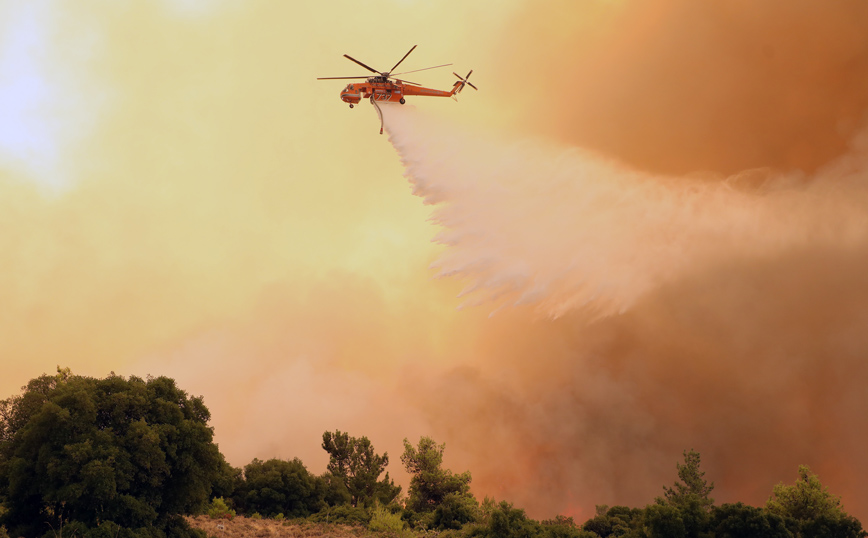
[{"x": 462, "y": 81}]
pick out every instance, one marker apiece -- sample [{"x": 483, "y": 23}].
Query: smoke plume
[
  {"x": 674, "y": 245},
  {"x": 561, "y": 228},
  {"x": 714, "y": 312}
]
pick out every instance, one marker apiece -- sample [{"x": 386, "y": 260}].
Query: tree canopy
[
  {"x": 129, "y": 451},
  {"x": 429, "y": 482},
  {"x": 280, "y": 487},
  {"x": 691, "y": 485},
  {"x": 354, "y": 462}
]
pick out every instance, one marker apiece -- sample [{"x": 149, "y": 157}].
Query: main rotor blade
[
  {"x": 408, "y": 82},
  {"x": 425, "y": 69},
  {"x": 336, "y": 78},
  {"x": 371, "y": 69},
  {"x": 402, "y": 59}
]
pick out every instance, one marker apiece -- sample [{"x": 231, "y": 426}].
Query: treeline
[{"x": 128, "y": 458}]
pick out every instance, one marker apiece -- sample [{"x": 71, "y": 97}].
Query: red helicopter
[{"x": 385, "y": 87}]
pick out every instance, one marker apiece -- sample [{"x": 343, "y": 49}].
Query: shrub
[
  {"x": 219, "y": 510},
  {"x": 343, "y": 515},
  {"x": 383, "y": 520}
]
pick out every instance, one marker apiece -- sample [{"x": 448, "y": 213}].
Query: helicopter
[{"x": 385, "y": 87}]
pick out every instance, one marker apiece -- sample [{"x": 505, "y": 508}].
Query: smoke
[
  {"x": 227, "y": 222},
  {"x": 561, "y": 228},
  {"x": 658, "y": 312},
  {"x": 675, "y": 86}
]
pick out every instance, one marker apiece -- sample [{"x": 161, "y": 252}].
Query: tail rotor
[{"x": 462, "y": 82}]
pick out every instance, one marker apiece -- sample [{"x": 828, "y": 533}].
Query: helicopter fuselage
[{"x": 384, "y": 90}]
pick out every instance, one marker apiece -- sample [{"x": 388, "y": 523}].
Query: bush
[
  {"x": 219, "y": 510},
  {"x": 455, "y": 511},
  {"x": 342, "y": 515},
  {"x": 383, "y": 520},
  {"x": 280, "y": 487}
]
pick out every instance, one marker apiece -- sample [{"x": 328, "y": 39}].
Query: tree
[
  {"x": 833, "y": 526},
  {"x": 615, "y": 521},
  {"x": 805, "y": 500},
  {"x": 429, "y": 482},
  {"x": 816, "y": 512},
  {"x": 691, "y": 486},
  {"x": 129, "y": 452},
  {"x": 664, "y": 521},
  {"x": 742, "y": 521},
  {"x": 280, "y": 487},
  {"x": 354, "y": 461},
  {"x": 507, "y": 522}
]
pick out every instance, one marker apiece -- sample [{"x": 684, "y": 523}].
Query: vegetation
[
  {"x": 90, "y": 454},
  {"x": 430, "y": 484},
  {"x": 126, "y": 458},
  {"x": 353, "y": 462},
  {"x": 280, "y": 487}
]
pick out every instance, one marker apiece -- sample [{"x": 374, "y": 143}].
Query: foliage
[
  {"x": 832, "y": 526},
  {"x": 455, "y": 511},
  {"x": 228, "y": 481},
  {"x": 806, "y": 499},
  {"x": 741, "y": 521},
  {"x": 353, "y": 461},
  {"x": 336, "y": 492},
  {"x": 664, "y": 521},
  {"x": 85, "y": 450},
  {"x": 218, "y": 509},
  {"x": 382, "y": 520},
  {"x": 505, "y": 521},
  {"x": 277, "y": 486},
  {"x": 692, "y": 486},
  {"x": 615, "y": 521},
  {"x": 342, "y": 514},
  {"x": 564, "y": 527},
  {"x": 429, "y": 482}
]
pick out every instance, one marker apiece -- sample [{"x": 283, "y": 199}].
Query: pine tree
[{"x": 692, "y": 486}]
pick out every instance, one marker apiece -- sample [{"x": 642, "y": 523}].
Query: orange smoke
[
  {"x": 231, "y": 224},
  {"x": 742, "y": 292},
  {"x": 678, "y": 86}
]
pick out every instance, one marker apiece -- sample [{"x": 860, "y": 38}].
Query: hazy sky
[{"x": 661, "y": 203}]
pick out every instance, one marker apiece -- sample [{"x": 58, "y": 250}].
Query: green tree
[
  {"x": 455, "y": 511},
  {"x": 805, "y": 500},
  {"x": 833, "y": 526},
  {"x": 741, "y": 521},
  {"x": 127, "y": 451},
  {"x": 815, "y": 511},
  {"x": 354, "y": 461},
  {"x": 507, "y": 522},
  {"x": 429, "y": 482},
  {"x": 280, "y": 487},
  {"x": 615, "y": 521},
  {"x": 692, "y": 486},
  {"x": 664, "y": 521}
]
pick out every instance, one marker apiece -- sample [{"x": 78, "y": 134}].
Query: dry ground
[{"x": 242, "y": 527}]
